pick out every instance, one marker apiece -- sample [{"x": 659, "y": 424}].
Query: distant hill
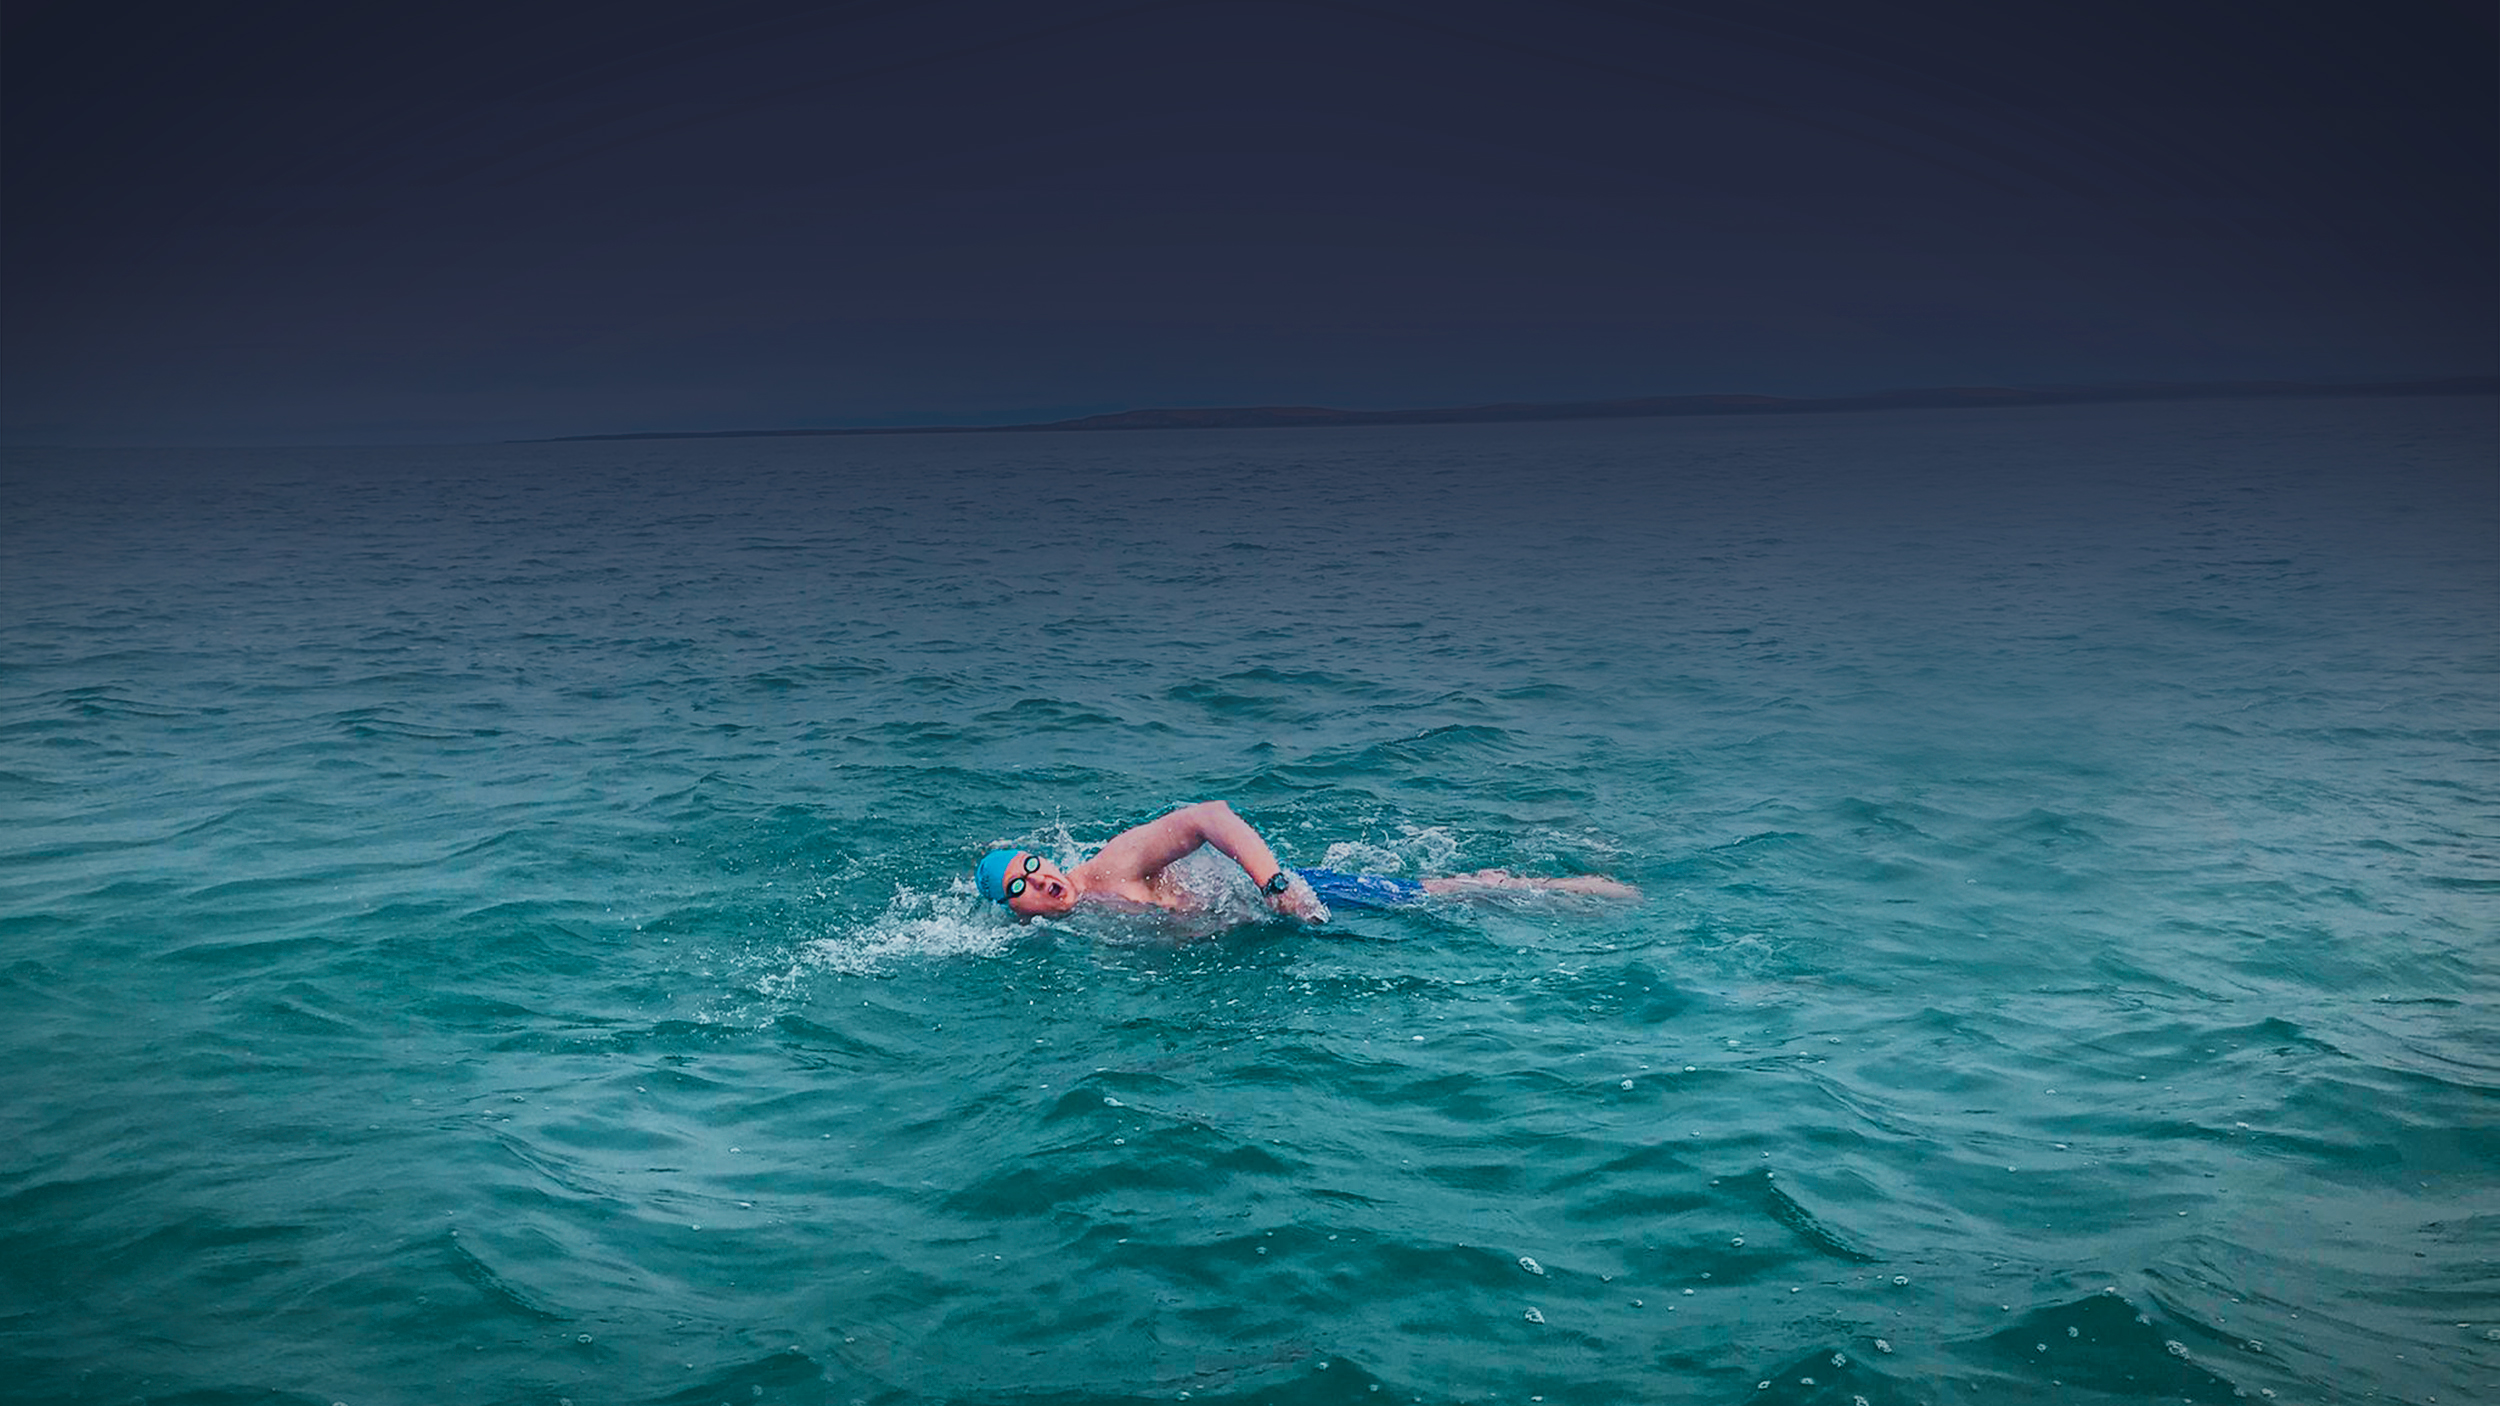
[{"x": 1641, "y": 407}]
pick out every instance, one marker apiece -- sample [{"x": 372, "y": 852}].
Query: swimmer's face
[{"x": 1046, "y": 893}]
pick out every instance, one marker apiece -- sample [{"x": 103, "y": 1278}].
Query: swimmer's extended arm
[{"x": 1146, "y": 850}]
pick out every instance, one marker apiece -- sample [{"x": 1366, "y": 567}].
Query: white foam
[
  {"x": 1420, "y": 849},
  {"x": 1361, "y": 857},
  {"x": 913, "y": 927}
]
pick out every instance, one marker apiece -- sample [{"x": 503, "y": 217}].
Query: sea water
[{"x": 492, "y": 924}]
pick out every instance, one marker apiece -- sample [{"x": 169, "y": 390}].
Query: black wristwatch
[{"x": 1278, "y": 882}]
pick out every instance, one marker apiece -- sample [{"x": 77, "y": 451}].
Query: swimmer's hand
[{"x": 1299, "y": 903}]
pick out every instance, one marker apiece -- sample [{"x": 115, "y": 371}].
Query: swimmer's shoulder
[{"x": 1113, "y": 889}]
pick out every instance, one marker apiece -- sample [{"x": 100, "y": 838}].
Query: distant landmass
[{"x": 1247, "y": 417}]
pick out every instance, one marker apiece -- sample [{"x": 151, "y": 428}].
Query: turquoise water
[{"x": 492, "y": 924}]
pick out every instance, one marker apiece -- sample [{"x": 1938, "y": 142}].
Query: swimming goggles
[{"x": 1032, "y": 863}]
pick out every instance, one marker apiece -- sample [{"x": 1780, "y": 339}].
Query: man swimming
[{"x": 1135, "y": 867}]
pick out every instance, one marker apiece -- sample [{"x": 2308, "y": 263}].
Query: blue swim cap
[{"x": 991, "y": 876}]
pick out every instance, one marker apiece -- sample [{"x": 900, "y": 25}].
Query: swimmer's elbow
[{"x": 1206, "y": 811}]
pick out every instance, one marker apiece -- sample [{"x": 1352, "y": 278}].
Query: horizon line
[{"x": 1635, "y": 407}]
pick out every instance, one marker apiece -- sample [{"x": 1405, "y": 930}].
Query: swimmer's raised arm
[
  {"x": 1138, "y": 854},
  {"x": 1143, "y": 851}
]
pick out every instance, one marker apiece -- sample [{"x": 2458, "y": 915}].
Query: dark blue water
[{"x": 492, "y": 924}]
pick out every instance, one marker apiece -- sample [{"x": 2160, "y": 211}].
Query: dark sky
[{"x": 325, "y": 222}]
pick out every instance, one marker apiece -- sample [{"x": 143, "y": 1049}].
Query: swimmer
[{"x": 1135, "y": 868}]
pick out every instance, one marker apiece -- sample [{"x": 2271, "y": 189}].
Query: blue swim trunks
[{"x": 1361, "y": 890}]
